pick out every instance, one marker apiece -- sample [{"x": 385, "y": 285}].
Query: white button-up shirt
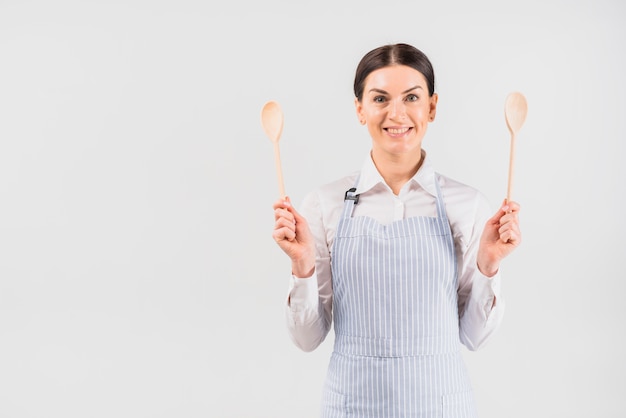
[{"x": 309, "y": 303}]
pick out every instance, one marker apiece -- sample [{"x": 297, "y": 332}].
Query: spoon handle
[
  {"x": 511, "y": 168},
  {"x": 279, "y": 171}
]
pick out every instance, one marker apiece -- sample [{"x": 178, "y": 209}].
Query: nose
[{"x": 397, "y": 110}]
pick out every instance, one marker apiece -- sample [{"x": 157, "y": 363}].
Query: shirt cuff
[
  {"x": 303, "y": 294},
  {"x": 486, "y": 293}
]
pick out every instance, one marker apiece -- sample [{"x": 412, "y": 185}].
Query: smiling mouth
[{"x": 397, "y": 131}]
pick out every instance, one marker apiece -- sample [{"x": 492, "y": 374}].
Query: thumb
[
  {"x": 292, "y": 209},
  {"x": 495, "y": 219}
]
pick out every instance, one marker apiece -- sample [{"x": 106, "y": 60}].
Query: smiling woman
[
  {"x": 396, "y": 108},
  {"x": 402, "y": 260}
]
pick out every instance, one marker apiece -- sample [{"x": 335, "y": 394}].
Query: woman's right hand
[{"x": 293, "y": 236}]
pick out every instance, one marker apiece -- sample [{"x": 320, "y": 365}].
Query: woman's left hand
[{"x": 500, "y": 237}]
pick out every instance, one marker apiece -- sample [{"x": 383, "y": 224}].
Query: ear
[
  {"x": 433, "y": 106},
  {"x": 359, "y": 111}
]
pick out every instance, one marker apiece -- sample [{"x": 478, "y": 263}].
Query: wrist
[
  {"x": 488, "y": 269},
  {"x": 302, "y": 269}
]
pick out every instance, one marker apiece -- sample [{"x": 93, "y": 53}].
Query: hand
[
  {"x": 293, "y": 236},
  {"x": 500, "y": 237}
]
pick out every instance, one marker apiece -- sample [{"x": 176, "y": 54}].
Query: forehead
[{"x": 395, "y": 77}]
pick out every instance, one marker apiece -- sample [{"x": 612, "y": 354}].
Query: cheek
[
  {"x": 373, "y": 112},
  {"x": 422, "y": 113}
]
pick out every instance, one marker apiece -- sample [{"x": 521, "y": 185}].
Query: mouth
[{"x": 397, "y": 131}]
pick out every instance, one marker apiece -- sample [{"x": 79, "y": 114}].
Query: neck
[{"x": 397, "y": 170}]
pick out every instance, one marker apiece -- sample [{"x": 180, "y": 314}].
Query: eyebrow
[{"x": 405, "y": 91}]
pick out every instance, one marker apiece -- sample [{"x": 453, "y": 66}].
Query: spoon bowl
[
  {"x": 515, "y": 110},
  {"x": 272, "y": 121}
]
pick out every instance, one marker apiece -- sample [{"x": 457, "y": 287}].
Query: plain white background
[{"x": 138, "y": 277}]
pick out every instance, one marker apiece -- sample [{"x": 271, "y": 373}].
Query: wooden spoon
[
  {"x": 515, "y": 109},
  {"x": 272, "y": 121}
]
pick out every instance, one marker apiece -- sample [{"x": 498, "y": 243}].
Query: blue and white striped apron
[{"x": 397, "y": 349}]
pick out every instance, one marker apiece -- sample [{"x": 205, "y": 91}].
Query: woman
[{"x": 405, "y": 259}]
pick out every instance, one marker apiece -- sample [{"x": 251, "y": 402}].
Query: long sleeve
[
  {"x": 481, "y": 306},
  {"x": 309, "y": 302}
]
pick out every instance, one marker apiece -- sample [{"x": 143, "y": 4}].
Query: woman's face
[{"x": 396, "y": 108}]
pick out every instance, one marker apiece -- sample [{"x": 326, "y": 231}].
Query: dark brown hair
[{"x": 395, "y": 54}]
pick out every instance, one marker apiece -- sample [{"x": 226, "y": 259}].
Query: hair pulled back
[{"x": 394, "y": 54}]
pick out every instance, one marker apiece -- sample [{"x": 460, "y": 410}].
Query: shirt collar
[{"x": 370, "y": 177}]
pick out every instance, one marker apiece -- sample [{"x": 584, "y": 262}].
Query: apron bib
[{"x": 397, "y": 350}]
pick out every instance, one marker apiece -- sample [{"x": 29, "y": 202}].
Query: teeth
[{"x": 397, "y": 131}]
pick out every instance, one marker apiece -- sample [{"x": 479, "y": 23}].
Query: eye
[
  {"x": 412, "y": 98},
  {"x": 379, "y": 99}
]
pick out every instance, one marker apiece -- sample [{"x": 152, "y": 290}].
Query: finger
[
  {"x": 511, "y": 206},
  {"x": 509, "y": 219},
  {"x": 284, "y": 214},
  {"x": 292, "y": 209},
  {"x": 510, "y": 233},
  {"x": 508, "y": 212},
  {"x": 496, "y": 218},
  {"x": 281, "y": 203},
  {"x": 509, "y": 225},
  {"x": 298, "y": 220},
  {"x": 283, "y": 234},
  {"x": 285, "y": 204},
  {"x": 510, "y": 237},
  {"x": 284, "y": 223}
]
